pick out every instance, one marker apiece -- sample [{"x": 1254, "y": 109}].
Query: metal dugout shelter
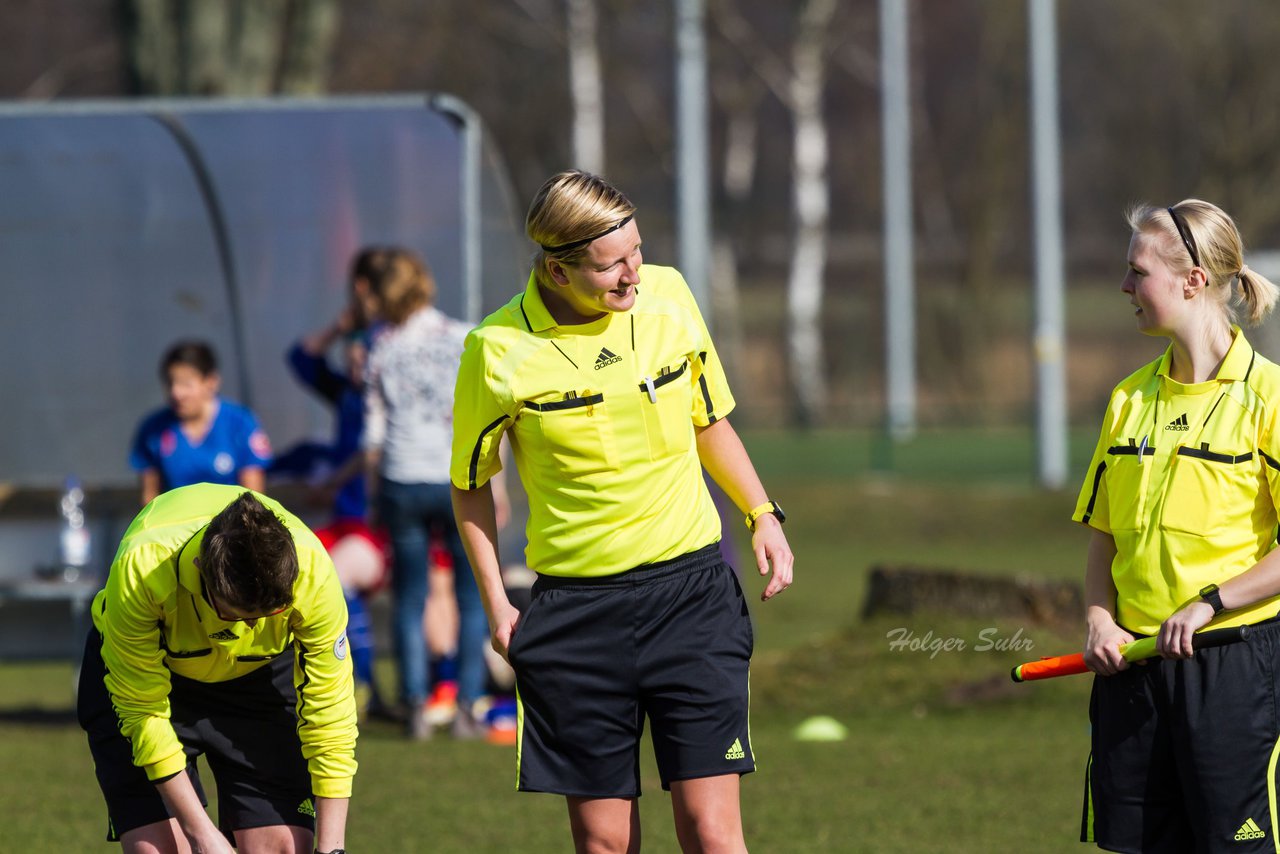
[{"x": 127, "y": 225}]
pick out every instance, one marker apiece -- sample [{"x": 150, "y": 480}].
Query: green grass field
[{"x": 943, "y": 752}]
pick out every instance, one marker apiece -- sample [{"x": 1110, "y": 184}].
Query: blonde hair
[
  {"x": 403, "y": 285},
  {"x": 568, "y": 212},
  {"x": 1219, "y": 250}
]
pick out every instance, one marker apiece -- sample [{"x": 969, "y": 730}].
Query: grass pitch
[{"x": 943, "y": 752}]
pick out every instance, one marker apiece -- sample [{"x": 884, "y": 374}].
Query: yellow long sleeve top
[{"x": 155, "y": 620}]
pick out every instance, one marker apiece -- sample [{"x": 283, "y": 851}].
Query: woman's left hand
[
  {"x": 772, "y": 550},
  {"x": 1174, "y": 640}
]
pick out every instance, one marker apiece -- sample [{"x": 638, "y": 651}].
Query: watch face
[{"x": 777, "y": 511}]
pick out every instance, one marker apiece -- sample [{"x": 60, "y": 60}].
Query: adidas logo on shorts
[
  {"x": 1250, "y": 830},
  {"x": 307, "y": 808},
  {"x": 735, "y": 750},
  {"x": 607, "y": 358}
]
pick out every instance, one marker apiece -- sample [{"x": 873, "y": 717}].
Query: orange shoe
[{"x": 442, "y": 705}]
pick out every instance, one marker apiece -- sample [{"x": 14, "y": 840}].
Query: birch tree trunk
[
  {"x": 810, "y": 192},
  {"x": 254, "y": 45},
  {"x": 586, "y": 87},
  {"x": 151, "y": 42},
  {"x": 313, "y": 27},
  {"x": 229, "y": 47},
  {"x": 738, "y": 177}
]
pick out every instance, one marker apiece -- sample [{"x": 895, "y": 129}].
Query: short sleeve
[
  {"x": 1269, "y": 448},
  {"x": 142, "y": 453},
  {"x": 1092, "y": 506},
  {"x": 255, "y": 451},
  {"x": 712, "y": 399},
  {"x": 479, "y": 417}
]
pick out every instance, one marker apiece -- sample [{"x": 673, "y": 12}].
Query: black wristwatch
[
  {"x": 1211, "y": 595},
  {"x": 334, "y": 851}
]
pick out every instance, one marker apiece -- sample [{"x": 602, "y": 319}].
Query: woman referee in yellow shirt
[
  {"x": 604, "y": 374},
  {"x": 1181, "y": 495}
]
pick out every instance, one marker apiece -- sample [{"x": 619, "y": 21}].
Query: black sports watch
[
  {"x": 334, "y": 851},
  {"x": 770, "y": 507},
  {"x": 1211, "y": 595}
]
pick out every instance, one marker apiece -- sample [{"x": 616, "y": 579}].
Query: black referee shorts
[
  {"x": 246, "y": 728},
  {"x": 594, "y": 657},
  {"x": 1185, "y": 752}
]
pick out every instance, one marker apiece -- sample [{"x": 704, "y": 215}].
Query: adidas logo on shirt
[
  {"x": 606, "y": 358},
  {"x": 1250, "y": 830},
  {"x": 735, "y": 750},
  {"x": 1179, "y": 423},
  {"x": 225, "y": 634}
]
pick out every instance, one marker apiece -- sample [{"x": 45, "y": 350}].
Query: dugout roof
[{"x": 125, "y": 226}]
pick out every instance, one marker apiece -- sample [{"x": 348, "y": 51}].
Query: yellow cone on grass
[{"x": 820, "y": 728}]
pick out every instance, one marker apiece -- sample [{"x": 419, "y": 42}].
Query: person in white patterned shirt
[{"x": 408, "y": 433}]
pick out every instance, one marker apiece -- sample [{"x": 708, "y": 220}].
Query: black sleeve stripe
[
  {"x": 1097, "y": 482},
  {"x": 475, "y": 452},
  {"x": 300, "y": 656},
  {"x": 1269, "y": 461},
  {"x": 706, "y": 393}
]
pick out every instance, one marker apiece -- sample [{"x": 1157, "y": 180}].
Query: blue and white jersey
[{"x": 234, "y": 442}]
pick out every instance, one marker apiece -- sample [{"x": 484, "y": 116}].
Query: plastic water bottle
[{"x": 74, "y": 539}]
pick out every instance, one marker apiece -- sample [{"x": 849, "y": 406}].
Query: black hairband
[
  {"x": 1184, "y": 231},
  {"x": 584, "y": 241}
]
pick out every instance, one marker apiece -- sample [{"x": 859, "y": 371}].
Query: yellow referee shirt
[
  {"x": 1186, "y": 479},
  {"x": 155, "y": 619},
  {"x": 601, "y": 418}
]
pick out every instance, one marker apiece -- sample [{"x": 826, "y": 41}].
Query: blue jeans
[{"x": 412, "y": 512}]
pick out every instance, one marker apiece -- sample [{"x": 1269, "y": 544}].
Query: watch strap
[
  {"x": 1211, "y": 595},
  {"x": 757, "y": 512}
]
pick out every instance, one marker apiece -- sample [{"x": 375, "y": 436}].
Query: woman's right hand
[
  {"x": 1102, "y": 645},
  {"x": 502, "y": 627},
  {"x": 209, "y": 840}
]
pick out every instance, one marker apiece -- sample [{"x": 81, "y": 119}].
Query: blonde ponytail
[{"x": 1257, "y": 295}]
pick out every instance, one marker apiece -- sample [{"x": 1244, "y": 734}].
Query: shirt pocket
[
  {"x": 1126, "y": 477},
  {"x": 1210, "y": 489},
  {"x": 667, "y": 405},
  {"x": 575, "y": 434}
]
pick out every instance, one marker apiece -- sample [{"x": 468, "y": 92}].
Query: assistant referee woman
[
  {"x": 604, "y": 375},
  {"x": 1181, "y": 495}
]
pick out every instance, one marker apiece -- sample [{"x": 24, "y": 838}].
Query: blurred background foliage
[{"x": 1158, "y": 102}]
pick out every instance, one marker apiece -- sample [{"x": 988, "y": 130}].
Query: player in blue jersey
[{"x": 199, "y": 437}]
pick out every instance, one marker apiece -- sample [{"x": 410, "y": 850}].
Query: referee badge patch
[{"x": 340, "y": 647}]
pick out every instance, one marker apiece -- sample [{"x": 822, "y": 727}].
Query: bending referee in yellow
[
  {"x": 1181, "y": 495},
  {"x": 604, "y": 375},
  {"x": 221, "y": 631}
]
